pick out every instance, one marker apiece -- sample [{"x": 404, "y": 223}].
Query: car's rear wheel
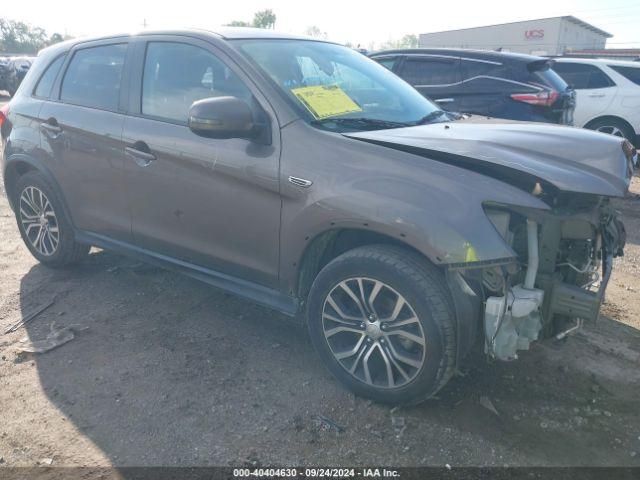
[
  {"x": 381, "y": 319},
  {"x": 613, "y": 127},
  {"x": 43, "y": 225}
]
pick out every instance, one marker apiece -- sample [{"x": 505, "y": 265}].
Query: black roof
[{"x": 491, "y": 55}]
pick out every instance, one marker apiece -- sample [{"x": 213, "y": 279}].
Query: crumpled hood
[{"x": 571, "y": 159}]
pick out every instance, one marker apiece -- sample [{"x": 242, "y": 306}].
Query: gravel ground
[{"x": 164, "y": 370}]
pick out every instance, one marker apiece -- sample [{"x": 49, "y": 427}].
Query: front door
[{"x": 210, "y": 202}]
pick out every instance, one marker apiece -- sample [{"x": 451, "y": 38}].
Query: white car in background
[{"x": 607, "y": 94}]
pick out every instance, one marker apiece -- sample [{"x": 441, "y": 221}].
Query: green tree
[
  {"x": 407, "y": 41},
  {"x": 315, "y": 32},
  {"x": 238, "y": 23},
  {"x": 410, "y": 41},
  {"x": 56, "y": 38},
  {"x": 20, "y": 37},
  {"x": 264, "y": 19}
]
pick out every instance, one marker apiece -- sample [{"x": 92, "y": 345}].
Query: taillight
[
  {"x": 4, "y": 111},
  {"x": 543, "y": 97}
]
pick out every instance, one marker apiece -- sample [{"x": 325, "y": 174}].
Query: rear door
[
  {"x": 436, "y": 77},
  {"x": 484, "y": 90},
  {"x": 595, "y": 90},
  {"x": 81, "y": 131},
  {"x": 210, "y": 202}
]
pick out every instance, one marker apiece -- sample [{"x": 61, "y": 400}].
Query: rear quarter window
[
  {"x": 539, "y": 73},
  {"x": 630, "y": 73},
  {"x": 548, "y": 77},
  {"x": 45, "y": 83}
]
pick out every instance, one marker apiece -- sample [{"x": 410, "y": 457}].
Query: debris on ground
[
  {"x": 55, "y": 339},
  {"x": 488, "y": 404},
  {"x": 28, "y": 318},
  {"x": 398, "y": 423},
  {"x": 327, "y": 424},
  {"x": 46, "y": 461}
]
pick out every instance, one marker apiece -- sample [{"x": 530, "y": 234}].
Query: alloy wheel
[
  {"x": 373, "y": 332},
  {"x": 39, "y": 221},
  {"x": 611, "y": 130}
]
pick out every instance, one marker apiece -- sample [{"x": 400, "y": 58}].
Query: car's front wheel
[
  {"x": 381, "y": 319},
  {"x": 43, "y": 225}
]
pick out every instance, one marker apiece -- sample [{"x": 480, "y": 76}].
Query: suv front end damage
[
  {"x": 547, "y": 269},
  {"x": 564, "y": 261}
]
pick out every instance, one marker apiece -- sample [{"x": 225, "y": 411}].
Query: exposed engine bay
[
  {"x": 557, "y": 242},
  {"x": 564, "y": 264}
]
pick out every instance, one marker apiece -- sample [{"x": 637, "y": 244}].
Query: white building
[{"x": 545, "y": 36}]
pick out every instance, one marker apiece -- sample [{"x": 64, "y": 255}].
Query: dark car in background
[
  {"x": 495, "y": 84},
  {"x": 13, "y": 71},
  {"x": 4, "y": 70}
]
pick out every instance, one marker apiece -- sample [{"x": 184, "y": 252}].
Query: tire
[
  {"x": 614, "y": 127},
  {"x": 34, "y": 212},
  {"x": 344, "y": 337}
]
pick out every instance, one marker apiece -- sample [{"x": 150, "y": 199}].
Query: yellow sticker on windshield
[{"x": 324, "y": 101}]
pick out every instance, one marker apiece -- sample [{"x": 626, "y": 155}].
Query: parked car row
[
  {"x": 494, "y": 84},
  {"x": 306, "y": 177},
  {"x": 12, "y": 72},
  {"x": 601, "y": 95}
]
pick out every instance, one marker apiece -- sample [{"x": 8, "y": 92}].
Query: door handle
[
  {"x": 140, "y": 154},
  {"x": 596, "y": 95},
  {"x": 444, "y": 100}
]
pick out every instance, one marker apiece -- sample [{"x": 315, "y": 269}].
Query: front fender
[{"x": 433, "y": 207}]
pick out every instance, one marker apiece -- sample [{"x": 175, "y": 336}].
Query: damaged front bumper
[{"x": 564, "y": 264}]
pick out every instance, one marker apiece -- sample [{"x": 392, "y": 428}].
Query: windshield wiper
[
  {"x": 374, "y": 123},
  {"x": 430, "y": 117}
]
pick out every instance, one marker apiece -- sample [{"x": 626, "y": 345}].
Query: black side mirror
[{"x": 222, "y": 117}]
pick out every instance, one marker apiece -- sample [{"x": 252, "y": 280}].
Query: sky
[{"x": 367, "y": 23}]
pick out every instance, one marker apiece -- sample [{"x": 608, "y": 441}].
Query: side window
[
  {"x": 630, "y": 73},
  {"x": 471, "y": 69},
  {"x": 93, "y": 77},
  {"x": 582, "y": 76},
  {"x": 178, "y": 74},
  {"x": 388, "y": 62},
  {"x": 45, "y": 84},
  {"x": 419, "y": 72},
  {"x": 599, "y": 79}
]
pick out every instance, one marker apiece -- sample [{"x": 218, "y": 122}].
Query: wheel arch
[
  {"x": 616, "y": 118},
  {"x": 18, "y": 165},
  {"x": 329, "y": 244}
]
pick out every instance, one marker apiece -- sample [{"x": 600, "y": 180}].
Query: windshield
[{"x": 338, "y": 88}]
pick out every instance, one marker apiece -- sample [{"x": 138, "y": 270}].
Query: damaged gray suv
[{"x": 306, "y": 177}]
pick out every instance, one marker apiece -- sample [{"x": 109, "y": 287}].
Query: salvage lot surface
[{"x": 168, "y": 371}]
